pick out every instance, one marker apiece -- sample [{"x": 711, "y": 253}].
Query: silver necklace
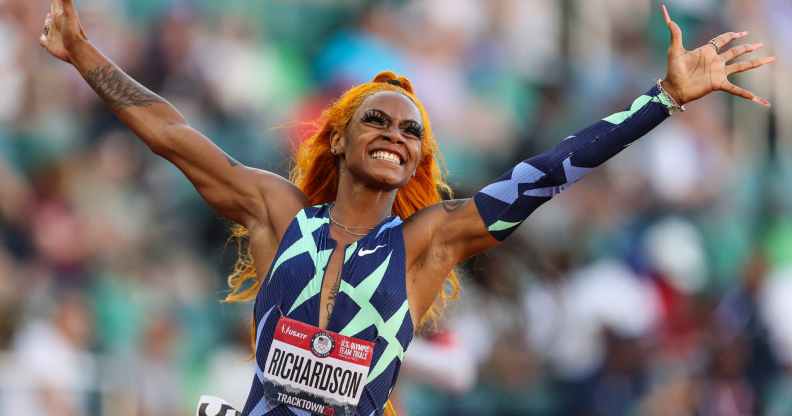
[{"x": 348, "y": 229}]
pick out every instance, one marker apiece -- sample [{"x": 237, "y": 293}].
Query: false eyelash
[
  {"x": 375, "y": 116},
  {"x": 414, "y": 129}
]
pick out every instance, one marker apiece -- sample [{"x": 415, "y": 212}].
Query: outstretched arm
[
  {"x": 443, "y": 235},
  {"x": 459, "y": 229},
  {"x": 507, "y": 202},
  {"x": 236, "y": 192}
]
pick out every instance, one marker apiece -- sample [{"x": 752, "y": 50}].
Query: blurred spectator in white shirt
[{"x": 51, "y": 368}]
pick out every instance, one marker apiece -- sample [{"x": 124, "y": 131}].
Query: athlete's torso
[{"x": 371, "y": 303}]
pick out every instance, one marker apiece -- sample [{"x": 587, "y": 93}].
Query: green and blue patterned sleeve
[{"x": 507, "y": 202}]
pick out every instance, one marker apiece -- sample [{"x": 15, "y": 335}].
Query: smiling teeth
[{"x": 383, "y": 155}]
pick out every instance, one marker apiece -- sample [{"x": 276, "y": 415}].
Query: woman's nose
[{"x": 393, "y": 134}]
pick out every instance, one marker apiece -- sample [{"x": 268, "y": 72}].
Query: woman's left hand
[{"x": 694, "y": 74}]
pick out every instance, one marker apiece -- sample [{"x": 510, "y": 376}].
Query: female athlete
[{"x": 348, "y": 258}]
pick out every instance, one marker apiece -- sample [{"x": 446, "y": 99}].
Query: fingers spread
[
  {"x": 738, "y": 51},
  {"x": 676, "y": 36},
  {"x": 724, "y": 38},
  {"x": 666, "y": 16},
  {"x": 738, "y": 67},
  {"x": 738, "y": 91},
  {"x": 673, "y": 28},
  {"x": 742, "y": 92}
]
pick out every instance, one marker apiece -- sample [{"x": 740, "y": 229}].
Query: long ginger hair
[{"x": 315, "y": 172}]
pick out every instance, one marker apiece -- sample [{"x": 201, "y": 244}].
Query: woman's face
[{"x": 382, "y": 142}]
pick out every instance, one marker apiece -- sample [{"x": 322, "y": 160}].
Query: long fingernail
[
  {"x": 761, "y": 101},
  {"x": 743, "y": 33}
]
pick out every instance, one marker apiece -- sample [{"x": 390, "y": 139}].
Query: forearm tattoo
[{"x": 118, "y": 89}]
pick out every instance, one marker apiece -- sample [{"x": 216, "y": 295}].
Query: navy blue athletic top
[{"x": 371, "y": 303}]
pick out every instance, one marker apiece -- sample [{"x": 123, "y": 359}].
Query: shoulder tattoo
[{"x": 453, "y": 204}]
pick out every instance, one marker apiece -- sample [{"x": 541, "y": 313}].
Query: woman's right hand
[{"x": 62, "y": 30}]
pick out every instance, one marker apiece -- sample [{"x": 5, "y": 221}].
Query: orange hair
[{"x": 315, "y": 172}]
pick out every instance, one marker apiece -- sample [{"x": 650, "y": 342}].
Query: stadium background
[{"x": 661, "y": 284}]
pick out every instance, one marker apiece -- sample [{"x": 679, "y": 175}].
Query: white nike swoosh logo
[{"x": 364, "y": 252}]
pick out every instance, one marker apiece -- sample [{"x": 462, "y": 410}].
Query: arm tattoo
[
  {"x": 118, "y": 89},
  {"x": 453, "y": 205}
]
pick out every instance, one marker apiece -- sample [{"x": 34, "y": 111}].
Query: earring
[{"x": 413, "y": 174}]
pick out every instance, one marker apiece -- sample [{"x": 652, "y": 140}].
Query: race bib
[{"x": 316, "y": 370}]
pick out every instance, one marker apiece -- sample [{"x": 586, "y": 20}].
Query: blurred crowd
[{"x": 659, "y": 285}]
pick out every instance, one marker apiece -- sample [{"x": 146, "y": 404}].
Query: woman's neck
[{"x": 359, "y": 206}]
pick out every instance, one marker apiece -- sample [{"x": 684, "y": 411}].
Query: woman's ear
[{"x": 337, "y": 144}]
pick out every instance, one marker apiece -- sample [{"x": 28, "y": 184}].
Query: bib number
[{"x": 316, "y": 370}]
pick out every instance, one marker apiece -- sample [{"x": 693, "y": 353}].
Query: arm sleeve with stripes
[{"x": 507, "y": 202}]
